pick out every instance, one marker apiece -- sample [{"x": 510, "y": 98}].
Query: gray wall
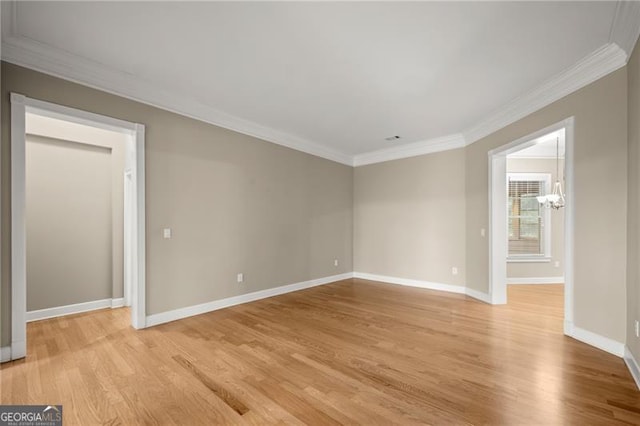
[
  {"x": 407, "y": 208},
  {"x": 238, "y": 204},
  {"x": 633, "y": 243},
  {"x": 235, "y": 203},
  {"x": 69, "y": 226},
  {"x": 116, "y": 143},
  {"x": 544, "y": 269},
  {"x": 600, "y": 172},
  {"x": 409, "y": 218}
]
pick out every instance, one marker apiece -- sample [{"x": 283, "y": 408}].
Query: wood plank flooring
[{"x": 352, "y": 352}]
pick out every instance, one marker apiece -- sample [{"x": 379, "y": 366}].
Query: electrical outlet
[
  {"x": 454, "y": 270},
  {"x": 556, "y": 263},
  {"x": 166, "y": 233},
  {"x": 482, "y": 232},
  {"x": 335, "y": 262},
  {"x": 637, "y": 328},
  {"x": 240, "y": 277}
]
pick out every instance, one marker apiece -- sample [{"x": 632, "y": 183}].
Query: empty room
[{"x": 320, "y": 213}]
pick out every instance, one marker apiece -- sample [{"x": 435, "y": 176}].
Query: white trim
[
  {"x": 444, "y": 143},
  {"x": 498, "y": 214},
  {"x": 29, "y": 53},
  {"x": 411, "y": 283},
  {"x": 77, "y": 116},
  {"x": 449, "y": 288},
  {"x": 138, "y": 290},
  {"x": 498, "y": 228},
  {"x": 546, "y": 177},
  {"x": 76, "y": 308},
  {"x": 535, "y": 280},
  {"x": 18, "y": 227},
  {"x": 603, "y": 343},
  {"x": 594, "y": 66},
  {"x": 569, "y": 221},
  {"x": 128, "y": 226},
  {"x": 528, "y": 259},
  {"x": 117, "y": 302},
  {"x": 477, "y": 295},
  {"x": 632, "y": 365},
  {"x": 203, "y": 308},
  {"x": 626, "y": 25},
  {"x": 5, "y": 354},
  {"x": 518, "y": 156},
  {"x": 20, "y": 105}
]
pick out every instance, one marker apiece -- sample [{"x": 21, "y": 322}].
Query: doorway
[
  {"x": 134, "y": 208},
  {"x": 499, "y": 213},
  {"x": 535, "y": 251}
]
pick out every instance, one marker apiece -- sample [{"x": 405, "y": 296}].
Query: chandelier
[{"x": 555, "y": 200}]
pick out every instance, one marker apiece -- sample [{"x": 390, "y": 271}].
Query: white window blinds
[{"x": 525, "y": 217}]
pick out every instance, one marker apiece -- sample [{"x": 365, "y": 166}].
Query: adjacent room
[
  {"x": 320, "y": 212},
  {"x": 536, "y": 229},
  {"x": 75, "y": 182}
]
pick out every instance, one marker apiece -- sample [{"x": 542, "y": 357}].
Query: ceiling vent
[{"x": 392, "y": 138}]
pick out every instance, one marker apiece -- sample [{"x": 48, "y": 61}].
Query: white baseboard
[
  {"x": 18, "y": 349},
  {"x": 117, "y": 303},
  {"x": 425, "y": 284},
  {"x": 68, "y": 309},
  {"x": 632, "y": 365},
  {"x": 5, "y": 354},
  {"x": 604, "y": 343},
  {"x": 411, "y": 283},
  {"x": 203, "y": 308},
  {"x": 536, "y": 280},
  {"x": 484, "y": 297}
]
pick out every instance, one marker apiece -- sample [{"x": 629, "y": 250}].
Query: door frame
[
  {"x": 498, "y": 233},
  {"x": 134, "y": 161}
]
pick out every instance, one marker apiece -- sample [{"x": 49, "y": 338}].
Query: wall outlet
[
  {"x": 556, "y": 263},
  {"x": 335, "y": 262},
  {"x": 637, "y": 328},
  {"x": 454, "y": 270},
  {"x": 240, "y": 277},
  {"x": 483, "y": 232},
  {"x": 166, "y": 233}
]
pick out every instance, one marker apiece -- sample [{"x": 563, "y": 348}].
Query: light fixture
[{"x": 555, "y": 200}]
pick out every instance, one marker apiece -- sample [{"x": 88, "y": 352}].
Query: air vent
[{"x": 392, "y": 138}]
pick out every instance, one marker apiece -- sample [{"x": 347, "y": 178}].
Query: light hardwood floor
[{"x": 348, "y": 352}]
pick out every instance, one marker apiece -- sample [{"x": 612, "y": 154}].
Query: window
[{"x": 529, "y": 230}]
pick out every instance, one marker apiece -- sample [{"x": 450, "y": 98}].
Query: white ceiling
[
  {"x": 332, "y": 78},
  {"x": 544, "y": 147}
]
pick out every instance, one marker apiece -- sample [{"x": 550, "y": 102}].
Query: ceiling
[
  {"x": 544, "y": 147},
  {"x": 333, "y": 79}
]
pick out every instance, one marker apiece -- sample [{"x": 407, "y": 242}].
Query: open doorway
[
  {"x": 74, "y": 217},
  {"x": 44, "y": 131},
  {"x": 535, "y": 247},
  {"x": 530, "y": 244}
]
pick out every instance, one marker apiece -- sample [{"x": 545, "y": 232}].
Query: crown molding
[
  {"x": 626, "y": 26},
  {"x": 410, "y": 150},
  {"x": 31, "y": 54},
  {"x": 41, "y": 57},
  {"x": 594, "y": 66}
]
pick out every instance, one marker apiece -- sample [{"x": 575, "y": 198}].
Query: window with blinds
[{"x": 526, "y": 217}]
